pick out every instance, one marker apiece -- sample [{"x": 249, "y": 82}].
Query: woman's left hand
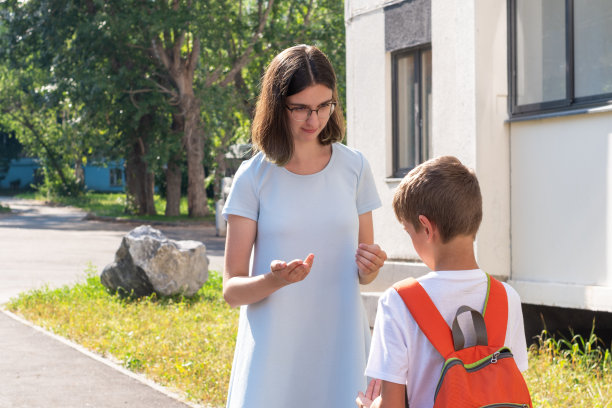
[{"x": 370, "y": 258}]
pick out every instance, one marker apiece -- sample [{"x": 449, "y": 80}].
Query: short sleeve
[
  {"x": 388, "y": 359},
  {"x": 242, "y": 199},
  {"x": 515, "y": 335},
  {"x": 367, "y": 196}
]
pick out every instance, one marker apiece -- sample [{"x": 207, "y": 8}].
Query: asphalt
[{"x": 43, "y": 246}]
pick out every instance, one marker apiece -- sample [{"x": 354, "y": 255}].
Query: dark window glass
[
  {"x": 411, "y": 108},
  {"x": 561, "y": 54}
]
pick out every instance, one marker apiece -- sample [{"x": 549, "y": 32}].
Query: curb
[{"x": 92, "y": 217}]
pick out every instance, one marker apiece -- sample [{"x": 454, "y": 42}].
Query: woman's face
[{"x": 304, "y": 124}]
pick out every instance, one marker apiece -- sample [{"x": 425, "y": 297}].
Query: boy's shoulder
[{"x": 448, "y": 289}]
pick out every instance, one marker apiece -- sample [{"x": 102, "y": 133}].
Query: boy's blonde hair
[{"x": 446, "y": 192}]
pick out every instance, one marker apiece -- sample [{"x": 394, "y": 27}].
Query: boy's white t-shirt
[{"x": 400, "y": 352}]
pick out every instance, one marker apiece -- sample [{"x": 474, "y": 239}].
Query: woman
[{"x": 303, "y": 337}]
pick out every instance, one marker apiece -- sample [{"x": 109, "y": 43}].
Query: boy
[{"x": 440, "y": 206}]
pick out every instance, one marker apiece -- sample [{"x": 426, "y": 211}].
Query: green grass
[
  {"x": 114, "y": 205},
  {"x": 4, "y": 209},
  {"x": 570, "y": 373},
  {"x": 185, "y": 344}
]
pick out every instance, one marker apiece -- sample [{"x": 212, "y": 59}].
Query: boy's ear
[{"x": 428, "y": 226}]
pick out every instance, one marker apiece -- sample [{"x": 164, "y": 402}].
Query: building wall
[
  {"x": 468, "y": 43},
  {"x": 561, "y": 210},
  {"x": 22, "y": 171},
  {"x": 97, "y": 178},
  {"x": 368, "y": 112},
  {"x": 546, "y": 183},
  {"x": 492, "y": 144}
]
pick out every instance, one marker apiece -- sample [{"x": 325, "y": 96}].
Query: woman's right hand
[
  {"x": 292, "y": 272},
  {"x": 371, "y": 395}
]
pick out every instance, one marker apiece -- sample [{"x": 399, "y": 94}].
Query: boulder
[{"x": 147, "y": 261}]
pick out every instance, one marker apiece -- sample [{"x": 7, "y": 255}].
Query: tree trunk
[
  {"x": 140, "y": 181},
  {"x": 174, "y": 172},
  {"x": 173, "y": 187},
  {"x": 194, "y": 147},
  {"x": 79, "y": 173}
]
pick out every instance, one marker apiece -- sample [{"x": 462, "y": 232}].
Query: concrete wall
[
  {"x": 468, "y": 109},
  {"x": 546, "y": 183},
  {"x": 562, "y": 210},
  {"x": 368, "y": 89}
]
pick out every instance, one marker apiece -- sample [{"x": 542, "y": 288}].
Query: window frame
[
  {"x": 570, "y": 102},
  {"x": 417, "y": 52},
  {"x": 115, "y": 173}
]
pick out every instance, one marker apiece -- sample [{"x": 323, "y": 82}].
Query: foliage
[
  {"x": 185, "y": 344},
  {"x": 570, "y": 373},
  {"x": 87, "y": 73},
  {"x": 40, "y": 120}
]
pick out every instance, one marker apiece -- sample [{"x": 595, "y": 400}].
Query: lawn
[
  {"x": 187, "y": 344},
  {"x": 114, "y": 205}
]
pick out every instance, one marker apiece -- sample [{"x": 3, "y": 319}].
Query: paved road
[{"x": 41, "y": 245}]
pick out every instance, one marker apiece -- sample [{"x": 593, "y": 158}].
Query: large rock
[{"x": 148, "y": 262}]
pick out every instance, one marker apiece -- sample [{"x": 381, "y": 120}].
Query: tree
[
  {"x": 88, "y": 60},
  {"x": 164, "y": 83},
  {"x": 44, "y": 133}
]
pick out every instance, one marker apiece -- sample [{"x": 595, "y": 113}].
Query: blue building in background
[{"x": 23, "y": 172}]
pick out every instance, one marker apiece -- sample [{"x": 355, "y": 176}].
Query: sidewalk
[
  {"x": 41, "y": 245},
  {"x": 40, "y": 370}
]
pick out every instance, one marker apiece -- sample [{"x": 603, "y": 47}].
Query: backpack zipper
[
  {"x": 506, "y": 405},
  {"x": 503, "y": 352}
]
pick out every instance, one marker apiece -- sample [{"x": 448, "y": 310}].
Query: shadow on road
[{"x": 36, "y": 215}]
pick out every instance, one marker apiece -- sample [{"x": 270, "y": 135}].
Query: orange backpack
[{"x": 484, "y": 375}]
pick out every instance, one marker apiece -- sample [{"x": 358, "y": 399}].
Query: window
[
  {"x": 560, "y": 54},
  {"x": 116, "y": 177},
  {"x": 411, "y": 108}
]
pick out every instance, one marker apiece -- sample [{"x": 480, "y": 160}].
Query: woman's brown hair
[{"x": 289, "y": 73}]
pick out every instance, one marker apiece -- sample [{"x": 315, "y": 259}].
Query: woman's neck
[{"x": 309, "y": 158}]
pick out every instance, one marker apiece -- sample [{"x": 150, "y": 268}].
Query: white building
[{"x": 519, "y": 90}]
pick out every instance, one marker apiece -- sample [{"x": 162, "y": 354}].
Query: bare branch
[
  {"x": 133, "y": 100},
  {"x": 194, "y": 57},
  {"x": 308, "y": 13},
  {"x": 176, "y": 51},
  {"x": 160, "y": 53},
  {"x": 246, "y": 55},
  {"x": 216, "y": 74}
]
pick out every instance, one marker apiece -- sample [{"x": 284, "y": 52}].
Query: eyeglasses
[{"x": 302, "y": 113}]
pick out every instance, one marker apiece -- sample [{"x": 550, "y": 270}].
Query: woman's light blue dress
[{"x": 306, "y": 344}]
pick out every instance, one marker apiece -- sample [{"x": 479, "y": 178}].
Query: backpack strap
[
  {"x": 479, "y": 327},
  {"x": 495, "y": 312},
  {"x": 427, "y": 316},
  {"x": 435, "y": 328}
]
